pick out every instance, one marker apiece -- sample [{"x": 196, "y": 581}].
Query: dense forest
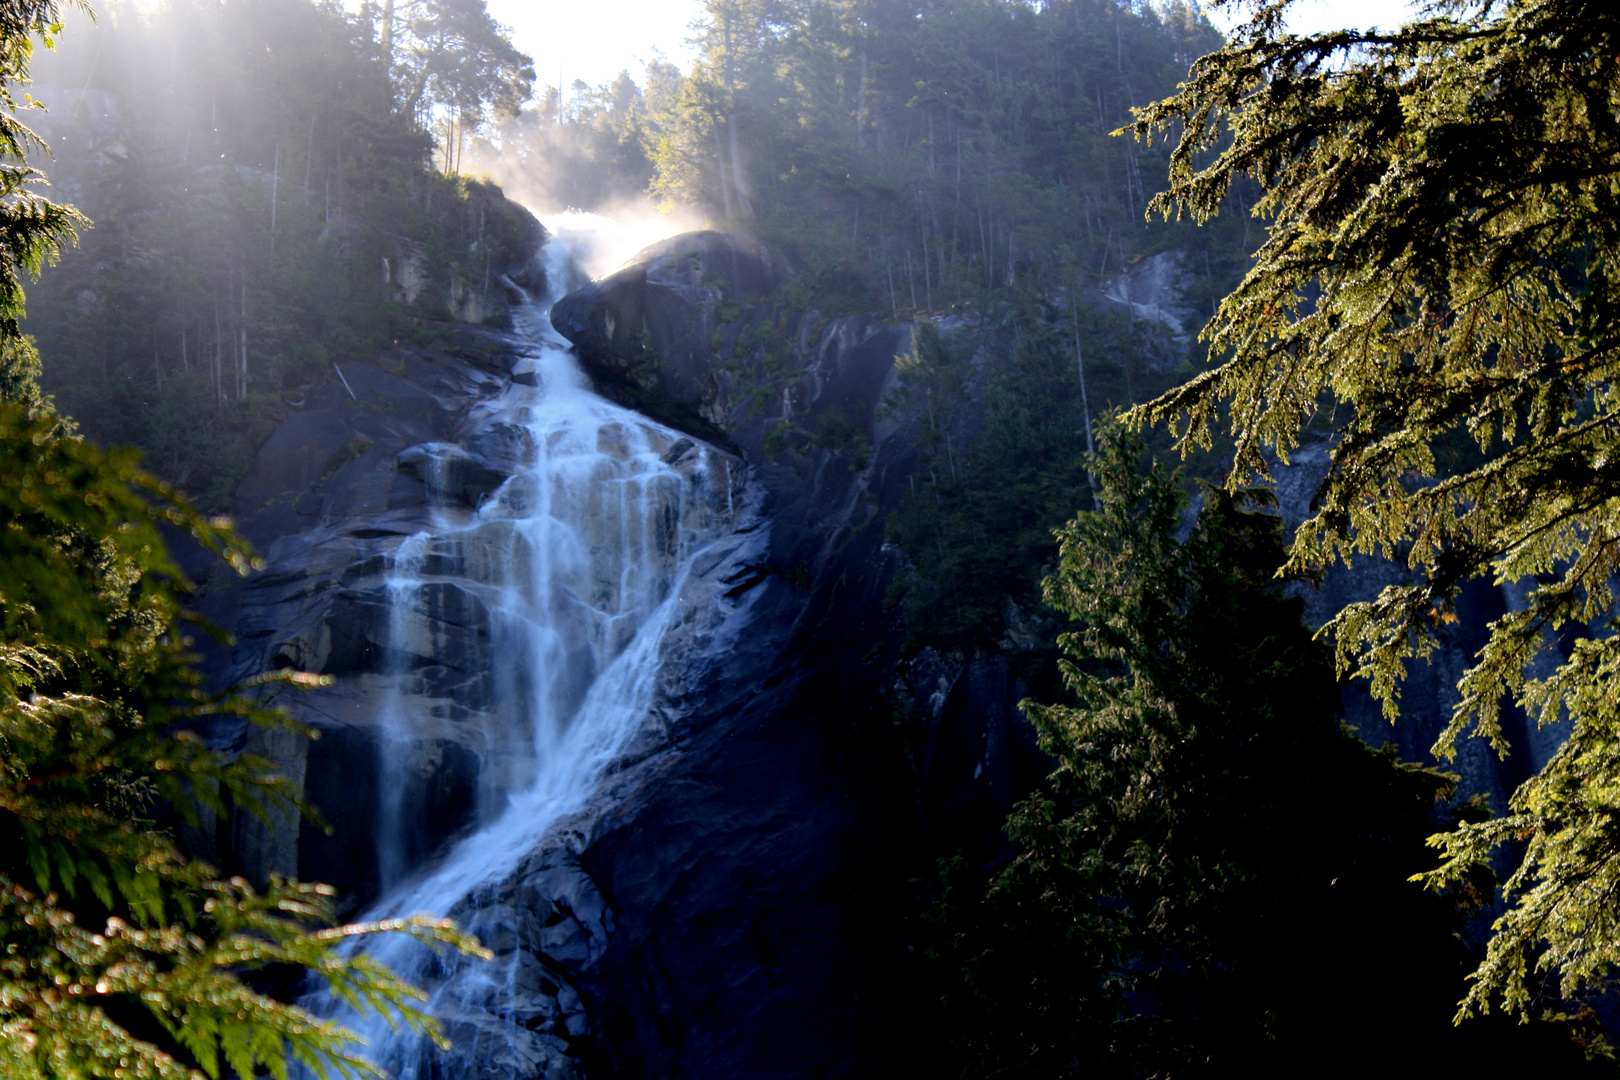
[
  {"x": 273, "y": 188},
  {"x": 251, "y": 178},
  {"x": 914, "y": 157}
]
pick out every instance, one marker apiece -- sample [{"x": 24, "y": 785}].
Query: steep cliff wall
[
  {"x": 736, "y": 898},
  {"x": 332, "y": 492},
  {"x": 762, "y": 878},
  {"x": 732, "y": 901}
]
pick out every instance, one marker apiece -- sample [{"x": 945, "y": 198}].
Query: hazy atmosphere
[{"x": 774, "y": 539}]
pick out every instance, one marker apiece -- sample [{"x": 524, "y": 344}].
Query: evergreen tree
[
  {"x": 938, "y": 153},
  {"x": 978, "y": 528},
  {"x": 252, "y": 176},
  {"x": 451, "y": 54},
  {"x": 123, "y": 957},
  {"x": 1438, "y": 281},
  {"x": 1214, "y": 882}
]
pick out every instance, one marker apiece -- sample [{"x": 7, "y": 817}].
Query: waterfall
[{"x": 582, "y": 561}]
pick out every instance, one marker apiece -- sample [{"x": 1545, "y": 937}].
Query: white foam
[{"x": 599, "y": 534}]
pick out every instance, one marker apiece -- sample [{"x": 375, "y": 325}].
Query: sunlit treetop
[{"x": 32, "y": 227}]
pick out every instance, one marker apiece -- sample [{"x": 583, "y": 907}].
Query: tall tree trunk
[
  {"x": 1085, "y": 404},
  {"x": 219, "y": 360},
  {"x": 928, "y": 283},
  {"x": 860, "y": 104},
  {"x": 956, "y": 210},
  {"x": 309, "y": 156},
  {"x": 931, "y": 167},
  {"x": 275, "y": 190},
  {"x": 739, "y": 183},
  {"x": 720, "y": 166},
  {"x": 984, "y": 240},
  {"x": 242, "y": 371}
]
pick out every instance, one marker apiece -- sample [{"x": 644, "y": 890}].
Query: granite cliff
[{"x": 733, "y": 894}]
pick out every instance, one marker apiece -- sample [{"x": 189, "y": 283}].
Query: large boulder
[{"x": 646, "y": 332}]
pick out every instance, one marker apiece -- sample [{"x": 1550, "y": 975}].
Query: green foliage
[
  {"x": 124, "y": 958},
  {"x": 922, "y": 155},
  {"x": 1206, "y": 822},
  {"x": 978, "y": 524},
  {"x": 1440, "y": 263},
  {"x": 250, "y": 199},
  {"x": 776, "y": 438},
  {"x": 955, "y": 158},
  {"x": 451, "y": 54},
  {"x": 32, "y": 227}
]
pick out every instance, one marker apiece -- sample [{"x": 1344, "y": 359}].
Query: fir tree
[
  {"x": 1438, "y": 283},
  {"x": 1213, "y": 881}
]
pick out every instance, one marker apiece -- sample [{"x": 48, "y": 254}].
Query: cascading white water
[{"x": 579, "y": 560}]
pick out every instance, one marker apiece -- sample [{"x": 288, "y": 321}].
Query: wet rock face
[
  {"x": 332, "y": 493},
  {"x": 334, "y": 459},
  {"x": 461, "y": 473},
  {"x": 1151, "y": 290},
  {"x": 692, "y": 332},
  {"x": 731, "y": 902},
  {"x": 542, "y": 923},
  {"x": 759, "y": 857},
  {"x": 645, "y": 332}
]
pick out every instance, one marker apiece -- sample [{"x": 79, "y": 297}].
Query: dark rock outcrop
[
  {"x": 509, "y": 240},
  {"x": 693, "y": 334},
  {"x": 731, "y": 903},
  {"x": 645, "y": 333},
  {"x": 762, "y": 868}
]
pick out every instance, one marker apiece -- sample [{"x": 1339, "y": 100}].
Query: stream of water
[{"x": 583, "y": 556}]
